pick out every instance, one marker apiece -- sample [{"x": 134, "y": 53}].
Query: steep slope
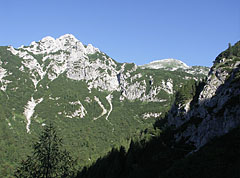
[
  {"x": 95, "y": 102},
  {"x": 216, "y": 111}
]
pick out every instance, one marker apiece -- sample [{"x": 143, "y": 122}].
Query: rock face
[{"x": 217, "y": 109}]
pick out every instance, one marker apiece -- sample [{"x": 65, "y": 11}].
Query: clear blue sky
[{"x": 139, "y": 31}]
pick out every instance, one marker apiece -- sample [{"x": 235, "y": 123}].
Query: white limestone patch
[
  {"x": 88, "y": 100},
  {"x": 109, "y": 99},
  {"x": 133, "y": 91},
  {"x": 4, "y": 84},
  {"x": 81, "y": 112},
  {"x": 12, "y": 50},
  {"x": 35, "y": 82},
  {"x": 29, "y": 110},
  {"x": 56, "y": 70},
  {"x": 187, "y": 106},
  {"x": 3, "y": 73},
  {"x": 104, "y": 111},
  {"x": 56, "y": 98},
  {"x": 21, "y": 69},
  {"x": 91, "y": 50},
  {"x": 167, "y": 86},
  {"x": 139, "y": 75},
  {"x": 35, "y": 69},
  {"x": 59, "y": 63},
  {"x": 151, "y": 115}
]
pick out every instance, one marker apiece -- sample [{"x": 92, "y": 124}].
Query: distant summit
[
  {"x": 172, "y": 64},
  {"x": 175, "y": 64}
]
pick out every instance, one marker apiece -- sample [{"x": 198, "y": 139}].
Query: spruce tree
[
  {"x": 230, "y": 50},
  {"x": 48, "y": 159}
]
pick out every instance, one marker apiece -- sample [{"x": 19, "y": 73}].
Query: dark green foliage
[
  {"x": 143, "y": 159},
  {"x": 128, "y": 67},
  {"x": 48, "y": 159},
  {"x": 190, "y": 91},
  {"x": 98, "y": 55},
  {"x": 186, "y": 92},
  {"x": 162, "y": 158},
  {"x": 112, "y": 166},
  {"x": 230, "y": 52}
]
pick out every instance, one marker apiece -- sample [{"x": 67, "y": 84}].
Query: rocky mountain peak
[
  {"x": 67, "y": 42},
  {"x": 47, "y": 39},
  {"x": 70, "y": 37},
  {"x": 62, "y": 39}
]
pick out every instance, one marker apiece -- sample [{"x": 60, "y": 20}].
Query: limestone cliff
[{"x": 217, "y": 108}]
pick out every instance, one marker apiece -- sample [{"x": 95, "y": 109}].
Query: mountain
[
  {"x": 95, "y": 102},
  {"x": 174, "y": 64},
  {"x": 199, "y": 137}
]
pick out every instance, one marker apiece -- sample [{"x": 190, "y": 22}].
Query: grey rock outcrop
[{"x": 216, "y": 111}]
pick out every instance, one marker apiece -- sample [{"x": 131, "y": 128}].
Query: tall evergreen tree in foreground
[{"x": 48, "y": 160}]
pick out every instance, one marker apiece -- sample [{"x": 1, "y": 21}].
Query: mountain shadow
[{"x": 220, "y": 158}]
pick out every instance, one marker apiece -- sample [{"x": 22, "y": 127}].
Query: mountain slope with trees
[{"x": 95, "y": 102}]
